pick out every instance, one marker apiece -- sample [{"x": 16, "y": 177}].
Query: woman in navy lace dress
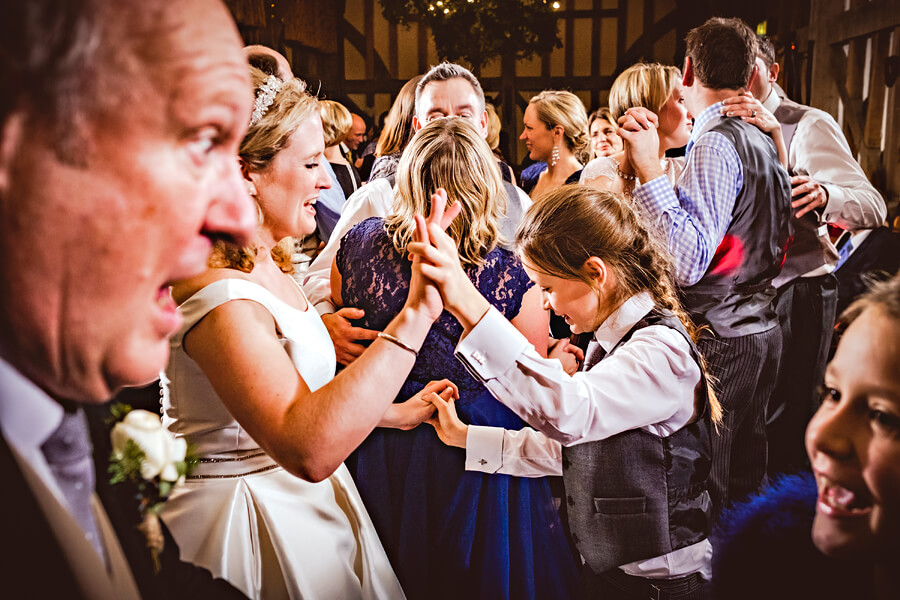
[{"x": 451, "y": 533}]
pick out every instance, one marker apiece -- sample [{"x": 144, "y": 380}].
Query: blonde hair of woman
[
  {"x": 556, "y": 132},
  {"x": 657, "y": 88}
]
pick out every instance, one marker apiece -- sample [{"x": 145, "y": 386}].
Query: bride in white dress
[{"x": 250, "y": 383}]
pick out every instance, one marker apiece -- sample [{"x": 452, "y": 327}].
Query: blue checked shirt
[{"x": 695, "y": 215}]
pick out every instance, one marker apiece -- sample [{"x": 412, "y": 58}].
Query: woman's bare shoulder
[{"x": 186, "y": 288}]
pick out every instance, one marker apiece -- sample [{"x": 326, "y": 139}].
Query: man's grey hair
[
  {"x": 62, "y": 63},
  {"x": 48, "y": 56},
  {"x": 445, "y": 72}
]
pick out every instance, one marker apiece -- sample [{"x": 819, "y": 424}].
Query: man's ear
[
  {"x": 416, "y": 124},
  {"x": 11, "y": 131},
  {"x": 484, "y": 123},
  {"x": 754, "y": 73},
  {"x": 687, "y": 78},
  {"x": 773, "y": 72}
]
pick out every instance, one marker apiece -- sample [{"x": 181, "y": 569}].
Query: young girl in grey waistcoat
[{"x": 629, "y": 432}]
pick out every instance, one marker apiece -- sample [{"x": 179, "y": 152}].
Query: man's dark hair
[
  {"x": 722, "y": 53},
  {"x": 48, "y": 64},
  {"x": 765, "y": 50},
  {"x": 264, "y": 62}
]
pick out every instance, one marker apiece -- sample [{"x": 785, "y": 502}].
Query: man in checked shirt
[{"x": 726, "y": 222}]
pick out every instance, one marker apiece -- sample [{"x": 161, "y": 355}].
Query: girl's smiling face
[
  {"x": 853, "y": 443},
  {"x": 577, "y": 302}
]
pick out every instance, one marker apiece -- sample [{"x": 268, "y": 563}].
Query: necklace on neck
[{"x": 622, "y": 174}]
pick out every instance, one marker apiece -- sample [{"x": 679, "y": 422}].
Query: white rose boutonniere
[{"x": 149, "y": 458}]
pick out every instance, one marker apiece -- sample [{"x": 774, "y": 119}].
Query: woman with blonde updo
[
  {"x": 251, "y": 385},
  {"x": 449, "y": 533},
  {"x": 655, "y": 87},
  {"x": 556, "y": 132}
]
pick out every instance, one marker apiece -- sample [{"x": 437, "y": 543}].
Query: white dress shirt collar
[
  {"x": 28, "y": 417},
  {"x": 616, "y": 325},
  {"x": 772, "y": 101}
]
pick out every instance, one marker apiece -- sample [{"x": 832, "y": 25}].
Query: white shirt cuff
[
  {"x": 491, "y": 347},
  {"x": 325, "y": 308},
  {"x": 831, "y": 212},
  {"x": 484, "y": 449}
]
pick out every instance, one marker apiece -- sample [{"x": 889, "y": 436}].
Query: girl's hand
[
  {"x": 449, "y": 428},
  {"x": 570, "y": 355},
  {"x": 411, "y": 413},
  {"x": 423, "y": 295},
  {"x": 436, "y": 256}
]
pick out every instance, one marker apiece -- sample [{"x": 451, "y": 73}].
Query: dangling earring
[
  {"x": 251, "y": 189},
  {"x": 554, "y": 158}
]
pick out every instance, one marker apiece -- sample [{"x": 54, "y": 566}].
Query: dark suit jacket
[
  {"x": 33, "y": 565},
  {"x": 877, "y": 258}
]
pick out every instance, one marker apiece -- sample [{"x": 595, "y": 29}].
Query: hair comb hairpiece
[{"x": 265, "y": 97}]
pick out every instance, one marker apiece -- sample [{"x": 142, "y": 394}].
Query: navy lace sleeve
[{"x": 375, "y": 278}]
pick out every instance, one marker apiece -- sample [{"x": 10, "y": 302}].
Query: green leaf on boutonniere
[
  {"x": 119, "y": 410},
  {"x": 128, "y": 466}
]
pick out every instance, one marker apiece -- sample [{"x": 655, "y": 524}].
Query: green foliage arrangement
[{"x": 478, "y": 31}]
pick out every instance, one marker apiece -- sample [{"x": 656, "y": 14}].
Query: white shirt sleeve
[
  {"x": 371, "y": 200},
  {"x": 648, "y": 382},
  {"x": 819, "y": 149},
  {"x": 523, "y": 453}
]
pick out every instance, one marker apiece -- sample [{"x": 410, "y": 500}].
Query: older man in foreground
[{"x": 119, "y": 125}]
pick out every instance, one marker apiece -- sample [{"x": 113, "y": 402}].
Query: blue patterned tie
[{"x": 68, "y": 453}]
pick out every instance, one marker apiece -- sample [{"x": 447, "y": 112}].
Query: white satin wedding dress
[{"x": 242, "y": 516}]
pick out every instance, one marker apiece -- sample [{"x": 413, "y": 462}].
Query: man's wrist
[{"x": 649, "y": 173}]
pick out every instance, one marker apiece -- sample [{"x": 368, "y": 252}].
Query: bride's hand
[
  {"x": 412, "y": 412},
  {"x": 423, "y": 295},
  {"x": 437, "y": 257}
]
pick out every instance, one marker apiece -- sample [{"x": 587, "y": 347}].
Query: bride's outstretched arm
[{"x": 308, "y": 432}]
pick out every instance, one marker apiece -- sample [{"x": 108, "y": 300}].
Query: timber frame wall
[{"x": 837, "y": 56}]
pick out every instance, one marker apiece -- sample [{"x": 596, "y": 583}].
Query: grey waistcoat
[
  {"x": 636, "y": 495},
  {"x": 737, "y": 300}
]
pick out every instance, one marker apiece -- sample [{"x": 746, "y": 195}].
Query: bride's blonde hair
[{"x": 264, "y": 139}]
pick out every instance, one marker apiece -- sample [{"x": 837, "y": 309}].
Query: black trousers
[
  {"x": 806, "y": 310},
  {"x": 745, "y": 369}
]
